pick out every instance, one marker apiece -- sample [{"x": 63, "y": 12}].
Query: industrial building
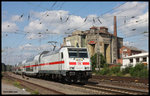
[{"x": 97, "y": 39}]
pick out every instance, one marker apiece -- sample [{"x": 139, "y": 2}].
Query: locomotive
[{"x": 71, "y": 64}]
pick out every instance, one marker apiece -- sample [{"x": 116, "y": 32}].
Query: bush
[
  {"x": 115, "y": 70},
  {"x": 143, "y": 73},
  {"x": 139, "y": 70},
  {"x": 93, "y": 61},
  {"x": 126, "y": 70},
  {"x": 104, "y": 71},
  {"x": 119, "y": 74}
]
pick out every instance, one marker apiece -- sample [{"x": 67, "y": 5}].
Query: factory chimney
[
  {"x": 115, "y": 41},
  {"x": 115, "y": 27}
]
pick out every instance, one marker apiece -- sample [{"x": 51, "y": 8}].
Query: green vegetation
[
  {"x": 94, "y": 60},
  {"x": 35, "y": 92},
  {"x": 3, "y": 67},
  {"x": 6, "y": 67},
  {"x": 17, "y": 84},
  {"x": 140, "y": 70}
]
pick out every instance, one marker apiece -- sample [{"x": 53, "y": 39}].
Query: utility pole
[{"x": 98, "y": 52}]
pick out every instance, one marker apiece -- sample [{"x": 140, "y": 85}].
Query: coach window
[{"x": 61, "y": 55}]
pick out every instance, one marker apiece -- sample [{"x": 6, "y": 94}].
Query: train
[{"x": 69, "y": 64}]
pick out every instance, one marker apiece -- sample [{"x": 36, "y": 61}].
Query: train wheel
[
  {"x": 83, "y": 81},
  {"x": 63, "y": 80}
]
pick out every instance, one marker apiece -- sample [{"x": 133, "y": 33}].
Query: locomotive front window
[
  {"x": 77, "y": 53},
  {"x": 72, "y": 54},
  {"x": 83, "y": 54}
]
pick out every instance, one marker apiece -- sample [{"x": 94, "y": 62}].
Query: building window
[
  {"x": 125, "y": 49},
  {"x": 131, "y": 60},
  {"x": 123, "y": 55},
  {"x": 144, "y": 59},
  {"x": 137, "y": 59}
]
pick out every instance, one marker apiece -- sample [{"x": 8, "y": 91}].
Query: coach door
[
  {"x": 36, "y": 66},
  {"x": 62, "y": 59}
]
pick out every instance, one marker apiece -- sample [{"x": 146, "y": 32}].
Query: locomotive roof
[
  {"x": 36, "y": 57},
  {"x": 30, "y": 59},
  {"x": 23, "y": 61},
  {"x": 50, "y": 53}
]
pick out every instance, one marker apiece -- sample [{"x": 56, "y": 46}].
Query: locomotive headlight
[
  {"x": 87, "y": 67},
  {"x": 71, "y": 67}
]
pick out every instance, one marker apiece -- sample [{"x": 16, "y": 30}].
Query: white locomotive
[{"x": 69, "y": 64}]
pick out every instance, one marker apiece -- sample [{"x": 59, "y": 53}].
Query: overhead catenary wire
[
  {"x": 48, "y": 33},
  {"x": 112, "y": 9}
]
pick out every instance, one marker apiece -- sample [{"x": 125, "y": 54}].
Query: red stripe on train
[
  {"x": 51, "y": 63},
  {"x": 72, "y": 63},
  {"x": 86, "y": 63},
  {"x": 58, "y": 62}
]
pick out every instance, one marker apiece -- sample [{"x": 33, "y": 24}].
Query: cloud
[
  {"x": 131, "y": 15},
  {"x": 60, "y": 22},
  {"x": 34, "y": 26},
  {"x": 32, "y": 48},
  {"x": 128, "y": 43},
  {"x": 131, "y": 9},
  {"x": 16, "y": 18},
  {"x": 140, "y": 24},
  {"x": 9, "y": 27}
]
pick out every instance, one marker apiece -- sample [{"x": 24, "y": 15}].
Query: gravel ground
[
  {"x": 64, "y": 88},
  {"x": 132, "y": 85},
  {"x": 10, "y": 89}
]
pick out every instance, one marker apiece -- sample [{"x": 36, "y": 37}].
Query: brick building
[{"x": 128, "y": 51}]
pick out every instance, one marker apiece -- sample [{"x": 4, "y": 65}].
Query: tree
[
  {"x": 3, "y": 67},
  {"x": 102, "y": 61}
]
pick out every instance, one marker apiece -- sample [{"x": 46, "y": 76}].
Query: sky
[{"x": 27, "y": 27}]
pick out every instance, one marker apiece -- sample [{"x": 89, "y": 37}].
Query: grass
[
  {"x": 35, "y": 92},
  {"x": 18, "y": 85}
]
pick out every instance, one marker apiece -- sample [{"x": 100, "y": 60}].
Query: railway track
[
  {"x": 119, "y": 90},
  {"x": 33, "y": 86},
  {"x": 122, "y": 79},
  {"x": 125, "y": 82},
  {"x": 112, "y": 90},
  {"x": 93, "y": 88}
]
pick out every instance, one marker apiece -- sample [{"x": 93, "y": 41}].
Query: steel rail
[{"x": 24, "y": 83}]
